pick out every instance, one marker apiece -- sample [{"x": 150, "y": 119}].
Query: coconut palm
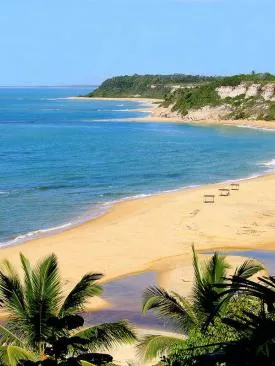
[
  {"x": 256, "y": 330},
  {"x": 191, "y": 313},
  {"x": 12, "y": 355},
  {"x": 40, "y": 320}
]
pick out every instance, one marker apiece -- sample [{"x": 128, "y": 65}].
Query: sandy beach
[{"x": 156, "y": 233}]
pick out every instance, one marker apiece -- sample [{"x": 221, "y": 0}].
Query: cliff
[{"x": 237, "y": 97}]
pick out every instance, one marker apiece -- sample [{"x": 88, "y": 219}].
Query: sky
[{"x": 66, "y": 42}]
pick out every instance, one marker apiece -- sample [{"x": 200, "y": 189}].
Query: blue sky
[{"x": 85, "y": 41}]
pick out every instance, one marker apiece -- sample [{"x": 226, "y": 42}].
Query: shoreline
[
  {"x": 155, "y": 232},
  {"x": 116, "y": 243},
  {"x": 253, "y": 124},
  {"x": 156, "y": 115},
  {"x": 104, "y": 207}
]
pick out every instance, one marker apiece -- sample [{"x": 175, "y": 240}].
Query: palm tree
[
  {"x": 40, "y": 319},
  {"x": 256, "y": 330},
  {"x": 188, "y": 314}
]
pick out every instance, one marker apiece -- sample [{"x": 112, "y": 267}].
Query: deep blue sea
[{"x": 64, "y": 161}]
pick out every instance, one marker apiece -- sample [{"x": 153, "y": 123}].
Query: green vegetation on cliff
[
  {"x": 249, "y": 96},
  {"x": 146, "y": 86}
]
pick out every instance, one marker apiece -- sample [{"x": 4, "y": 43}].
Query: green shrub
[{"x": 197, "y": 342}]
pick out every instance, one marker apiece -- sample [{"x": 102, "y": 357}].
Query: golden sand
[{"x": 155, "y": 232}]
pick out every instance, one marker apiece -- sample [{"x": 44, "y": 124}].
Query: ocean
[{"x": 64, "y": 161}]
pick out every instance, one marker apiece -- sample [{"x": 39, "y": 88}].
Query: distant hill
[{"x": 147, "y": 86}]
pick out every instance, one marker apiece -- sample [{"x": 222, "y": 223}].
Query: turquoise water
[{"x": 59, "y": 165}]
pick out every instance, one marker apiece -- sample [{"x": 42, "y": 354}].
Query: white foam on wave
[
  {"x": 50, "y": 109},
  {"x": 251, "y": 127},
  {"x": 120, "y": 110},
  {"x": 270, "y": 163},
  {"x": 150, "y": 194},
  {"x": 252, "y": 176},
  {"x": 129, "y": 110},
  {"x": 53, "y": 98},
  {"x": 34, "y": 234}
]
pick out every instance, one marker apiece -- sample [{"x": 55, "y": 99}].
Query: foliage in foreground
[
  {"x": 190, "y": 315},
  {"x": 256, "y": 330},
  {"x": 253, "y": 326},
  {"x": 201, "y": 341},
  {"x": 43, "y": 325}
]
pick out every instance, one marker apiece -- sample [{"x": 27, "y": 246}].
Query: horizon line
[{"x": 50, "y": 86}]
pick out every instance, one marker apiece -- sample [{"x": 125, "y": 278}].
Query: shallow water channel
[{"x": 125, "y": 295}]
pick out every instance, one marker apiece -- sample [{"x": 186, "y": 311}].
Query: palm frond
[
  {"x": 9, "y": 282},
  {"x": 7, "y": 267},
  {"x": 42, "y": 297},
  {"x": 28, "y": 272},
  {"x": 79, "y": 295},
  {"x": 168, "y": 305},
  {"x": 106, "y": 336},
  {"x": 249, "y": 268},
  {"x": 215, "y": 269},
  {"x": 237, "y": 324},
  {"x": 11, "y": 355},
  {"x": 192, "y": 316},
  {"x": 85, "y": 363},
  {"x": 152, "y": 346},
  {"x": 47, "y": 281},
  {"x": 269, "y": 282},
  {"x": 11, "y": 291},
  {"x": 263, "y": 290},
  {"x": 196, "y": 267},
  {"x": 8, "y": 337},
  {"x": 205, "y": 299},
  {"x": 204, "y": 295}
]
